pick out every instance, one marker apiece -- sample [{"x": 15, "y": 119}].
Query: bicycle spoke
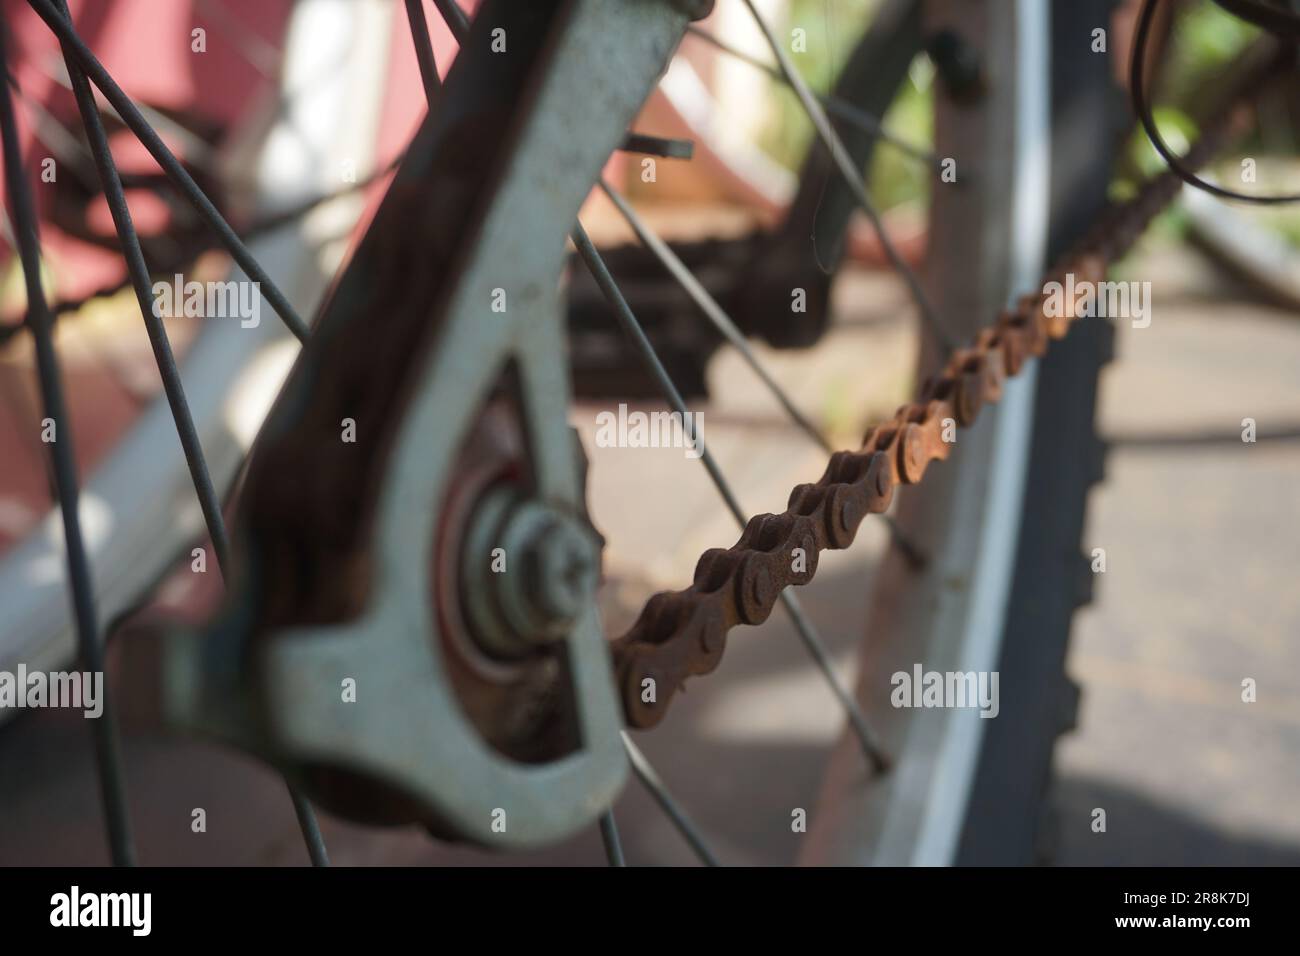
[
  {"x": 609, "y": 837},
  {"x": 455, "y": 18},
  {"x": 831, "y": 140},
  {"x": 259, "y": 54},
  {"x": 871, "y": 746},
  {"x": 59, "y": 139},
  {"x": 632, "y": 327},
  {"x": 197, "y": 152},
  {"x": 664, "y": 146},
  {"x": 912, "y": 551},
  {"x": 650, "y": 780},
  {"x": 256, "y": 230},
  {"x": 727, "y": 327},
  {"x": 108, "y": 755},
  {"x": 309, "y": 827},
  {"x": 807, "y": 632},
  {"x": 423, "y": 48},
  {"x": 836, "y": 106},
  {"x": 132, "y": 117},
  {"x": 715, "y": 313},
  {"x": 138, "y": 269}
]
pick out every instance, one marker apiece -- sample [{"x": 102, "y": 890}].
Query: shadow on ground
[{"x": 743, "y": 749}]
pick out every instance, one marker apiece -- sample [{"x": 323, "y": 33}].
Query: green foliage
[
  {"x": 1206, "y": 39},
  {"x": 1204, "y": 42},
  {"x": 834, "y": 28}
]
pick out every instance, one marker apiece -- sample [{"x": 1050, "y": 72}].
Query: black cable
[{"x": 1143, "y": 110}]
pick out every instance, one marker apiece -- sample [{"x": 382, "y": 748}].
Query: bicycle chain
[{"x": 681, "y": 634}]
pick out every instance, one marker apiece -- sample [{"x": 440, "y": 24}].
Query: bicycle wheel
[
  {"x": 313, "y": 575},
  {"x": 1002, "y": 520}
]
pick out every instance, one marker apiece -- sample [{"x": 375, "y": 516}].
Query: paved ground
[
  {"x": 1201, "y": 535},
  {"x": 1203, "y": 544}
]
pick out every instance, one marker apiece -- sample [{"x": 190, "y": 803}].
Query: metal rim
[{"x": 949, "y": 615}]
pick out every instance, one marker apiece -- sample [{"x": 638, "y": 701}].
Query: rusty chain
[{"x": 681, "y": 634}]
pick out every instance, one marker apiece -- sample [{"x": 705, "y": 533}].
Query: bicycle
[{"x": 506, "y": 677}]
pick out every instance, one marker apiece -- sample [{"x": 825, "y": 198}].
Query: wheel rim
[{"x": 950, "y": 615}]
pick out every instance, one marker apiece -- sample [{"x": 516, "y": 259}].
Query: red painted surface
[{"x": 147, "y": 45}]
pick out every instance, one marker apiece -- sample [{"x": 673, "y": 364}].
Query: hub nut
[{"x": 531, "y": 571}]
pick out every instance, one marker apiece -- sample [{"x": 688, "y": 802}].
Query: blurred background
[{"x": 1201, "y": 530}]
